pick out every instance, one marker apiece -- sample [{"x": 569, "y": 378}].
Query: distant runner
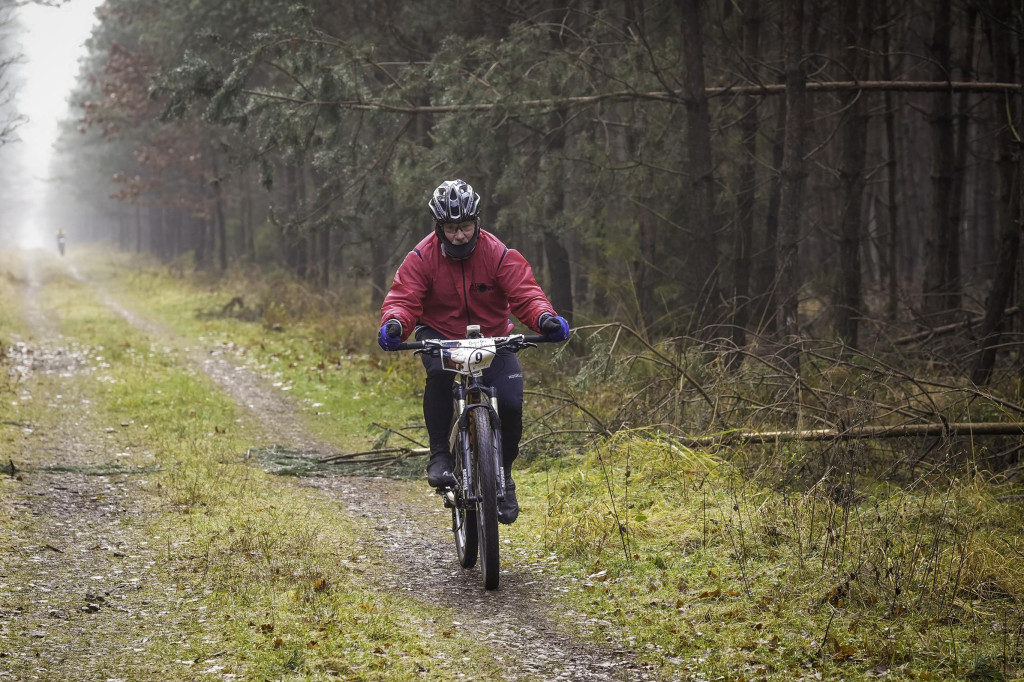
[{"x": 61, "y": 239}]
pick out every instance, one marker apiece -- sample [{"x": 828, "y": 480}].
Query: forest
[
  {"x": 753, "y": 172},
  {"x": 784, "y": 441}
]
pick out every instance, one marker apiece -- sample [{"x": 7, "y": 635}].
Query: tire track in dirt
[{"x": 518, "y": 620}]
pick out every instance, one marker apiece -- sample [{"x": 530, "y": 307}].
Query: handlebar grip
[{"x": 411, "y": 345}]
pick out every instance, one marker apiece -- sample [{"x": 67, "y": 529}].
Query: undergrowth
[{"x": 679, "y": 550}]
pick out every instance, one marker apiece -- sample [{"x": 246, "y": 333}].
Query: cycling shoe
[
  {"x": 508, "y": 507},
  {"x": 439, "y": 471}
]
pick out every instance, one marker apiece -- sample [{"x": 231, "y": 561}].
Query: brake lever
[
  {"x": 520, "y": 345},
  {"x": 433, "y": 349}
]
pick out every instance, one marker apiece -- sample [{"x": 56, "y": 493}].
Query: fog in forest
[{"x": 40, "y": 47}]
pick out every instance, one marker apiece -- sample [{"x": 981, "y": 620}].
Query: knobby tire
[
  {"x": 485, "y": 488},
  {"x": 464, "y": 523}
]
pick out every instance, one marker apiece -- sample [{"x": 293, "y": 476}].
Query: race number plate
[{"x": 469, "y": 356}]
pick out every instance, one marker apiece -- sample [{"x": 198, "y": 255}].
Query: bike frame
[
  {"x": 476, "y": 438},
  {"x": 471, "y": 393}
]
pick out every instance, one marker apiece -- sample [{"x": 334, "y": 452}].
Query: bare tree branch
[{"x": 659, "y": 96}]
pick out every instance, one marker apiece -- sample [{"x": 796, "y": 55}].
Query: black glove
[{"x": 554, "y": 327}]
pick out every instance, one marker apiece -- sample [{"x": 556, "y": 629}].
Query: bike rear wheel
[
  {"x": 464, "y": 526},
  {"x": 485, "y": 489}
]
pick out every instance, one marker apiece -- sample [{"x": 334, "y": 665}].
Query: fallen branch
[
  {"x": 948, "y": 328},
  {"x": 370, "y": 460},
  {"x": 398, "y": 433},
  {"x": 353, "y": 457},
  {"x": 902, "y": 431}
]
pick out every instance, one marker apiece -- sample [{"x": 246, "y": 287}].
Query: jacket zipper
[{"x": 465, "y": 293}]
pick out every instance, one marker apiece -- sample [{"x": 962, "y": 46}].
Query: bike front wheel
[{"x": 485, "y": 489}]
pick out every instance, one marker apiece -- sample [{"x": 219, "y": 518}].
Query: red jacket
[{"x": 447, "y": 294}]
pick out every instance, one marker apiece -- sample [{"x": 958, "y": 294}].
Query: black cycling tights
[{"x": 505, "y": 376}]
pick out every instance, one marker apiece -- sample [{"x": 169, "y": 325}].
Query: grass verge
[{"x": 715, "y": 576}]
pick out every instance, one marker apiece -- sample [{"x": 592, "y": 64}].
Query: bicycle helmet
[{"x": 454, "y": 201}]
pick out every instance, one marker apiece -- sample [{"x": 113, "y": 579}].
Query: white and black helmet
[{"x": 454, "y": 201}]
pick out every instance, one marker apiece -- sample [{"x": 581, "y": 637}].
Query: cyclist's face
[{"x": 459, "y": 233}]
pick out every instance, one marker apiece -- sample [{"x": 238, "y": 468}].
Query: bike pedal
[{"x": 448, "y": 496}]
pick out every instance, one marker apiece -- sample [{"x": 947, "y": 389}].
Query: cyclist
[
  {"x": 60, "y": 241},
  {"x": 457, "y": 276}
]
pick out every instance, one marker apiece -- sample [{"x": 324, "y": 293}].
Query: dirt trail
[
  {"x": 69, "y": 516},
  {"x": 517, "y": 620}
]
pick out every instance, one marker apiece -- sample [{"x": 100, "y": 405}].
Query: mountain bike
[{"x": 475, "y": 441}]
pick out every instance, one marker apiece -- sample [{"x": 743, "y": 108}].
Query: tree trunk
[
  {"x": 851, "y": 174},
  {"x": 560, "y": 274},
  {"x": 162, "y": 234},
  {"x": 199, "y": 240},
  {"x": 791, "y": 195},
  {"x": 300, "y": 235},
  {"x": 941, "y": 285},
  {"x": 891, "y": 187},
  {"x": 559, "y": 288},
  {"x": 378, "y": 270},
  {"x": 704, "y": 260},
  {"x": 960, "y": 151},
  {"x": 138, "y": 228},
  {"x": 246, "y": 218},
  {"x": 325, "y": 257},
  {"x": 768, "y": 262},
  {"x": 1009, "y": 205},
  {"x": 744, "y": 238},
  {"x": 560, "y": 268},
  {"x": 219, "y": 221},
  {"x": 124, "y": 227},
  {"x": 295, "y": 244},
  {"x": 175, "y": 234}
]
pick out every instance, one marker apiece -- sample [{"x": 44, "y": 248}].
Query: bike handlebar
[{"x": 515, "y": 341}]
